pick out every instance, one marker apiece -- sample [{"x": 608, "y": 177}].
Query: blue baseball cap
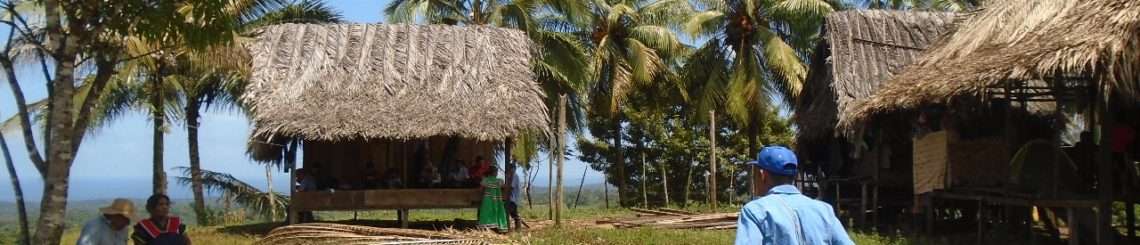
[{"x": 777, "y": 160}]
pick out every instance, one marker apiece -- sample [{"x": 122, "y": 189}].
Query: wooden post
[
  {"x": 1104, "y": 212},
  {"x": 863, "y": 196},
  {"x": 665, "y": 183},
  {"x": 561, "y": 153},
  {"x": 508, "y": 167},
  {"x": 644, "y": 190},
  {"x": 981, "y": 223},
  {"x": 292, "y": 194},
  {"x": 929, "y": 212},
  {"x": 292, "y": 163},
  {"x": 402, "y": 218},
  {"x": 875, "y": 206},
  {"x": 1074, "y": 227},
  {"x": 712, "y": 159}
]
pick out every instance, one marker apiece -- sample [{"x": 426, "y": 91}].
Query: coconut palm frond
[{"x": 241, "y": 193}]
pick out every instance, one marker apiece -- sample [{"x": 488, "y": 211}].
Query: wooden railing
[{"x": 386, "y": 199}]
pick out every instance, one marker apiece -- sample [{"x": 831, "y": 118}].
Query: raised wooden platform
[{"x": 386, "y": 199}]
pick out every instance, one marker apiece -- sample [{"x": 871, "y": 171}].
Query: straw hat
[{"x": 120, "y": 206}]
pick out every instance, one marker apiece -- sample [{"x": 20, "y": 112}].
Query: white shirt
[
  {"x": 98, "y": 231},
  {"x": 514, "y": 187}
]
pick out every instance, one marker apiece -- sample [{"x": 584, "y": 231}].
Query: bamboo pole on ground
[
  {"x": 561, "y": 161},
  {"x": 712, "y": 159}
]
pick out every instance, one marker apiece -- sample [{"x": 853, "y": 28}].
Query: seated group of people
[
  {"x": 462, "y": 175},
  {"x": 110, "y": 228}
]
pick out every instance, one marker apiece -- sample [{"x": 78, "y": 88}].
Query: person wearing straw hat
[
  {"x": 110, "y": 228},
  {"x": 784, "y": 215}
]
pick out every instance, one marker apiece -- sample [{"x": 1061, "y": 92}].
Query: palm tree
[
  {"x": 212, "y": 81},
  {"x": 757, "y": 49},
  {"x": 631, "y": 43},
  {"x": 244, "y": 194},
  {"x": 200, "y": 79}
]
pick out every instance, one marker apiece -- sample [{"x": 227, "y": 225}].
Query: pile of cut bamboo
[
  {"x": 676, "y": 219},
  {"x": 324, "y": 233}
]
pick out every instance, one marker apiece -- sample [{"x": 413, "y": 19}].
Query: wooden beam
[
  {"x": 386, "y": 199},
  {"x": 1104, "y": 215}
]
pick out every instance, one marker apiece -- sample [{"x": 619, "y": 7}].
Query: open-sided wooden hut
[
  {"x": 861, "y": 50},
  {"x": 368, "y": 99},
  {"x": 1073, "y": 55}
]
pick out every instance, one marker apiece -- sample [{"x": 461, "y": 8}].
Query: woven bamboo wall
[{"x": 930, "y": 162}]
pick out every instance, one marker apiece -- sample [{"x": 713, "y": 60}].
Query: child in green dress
[{"x": 492, "y": 213}]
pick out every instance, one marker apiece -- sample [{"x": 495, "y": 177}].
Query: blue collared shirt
[
  {"x": 785, "y": 216},
  {"x": 98, "y": 231}
]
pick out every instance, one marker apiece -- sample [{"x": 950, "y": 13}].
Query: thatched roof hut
[
  {"x": 396, "y": 82},
  {"x": 1022, "y": 41},
  {"x": 862, "y": 49}
]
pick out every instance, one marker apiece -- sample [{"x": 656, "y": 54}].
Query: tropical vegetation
[{"x": 650, "y": 85}]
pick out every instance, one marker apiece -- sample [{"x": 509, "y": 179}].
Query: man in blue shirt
[{"x": 783, "y": 215}]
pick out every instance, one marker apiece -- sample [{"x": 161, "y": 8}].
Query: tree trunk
[
  {"x": 644, "y": 186},
  {"x": 619, "y": 160},
  {"x": 754, "y": 133},
  {"x": 192, "y": 123},
  {"x": 665, "y": 183},
  {"x": 25, "y": 238},
  {"x": 712, "y": 160},
  {"x": 49, "y": 227},
  {"x": 269, "y": 190},
  {"x": 158, "y": 116},
  {"x": 688, "y": 184},
  {"x": 561, "y": 139}
]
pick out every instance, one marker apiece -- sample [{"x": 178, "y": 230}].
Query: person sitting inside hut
[
  {"x": 492, "y": 212},
  {"x": 1083, "y": 154},
  {"x": 478, "y": 169},
  {"x": 305, "y": 182},
  {"x": 161, "y": 227},
  {"x": 458, "y": 176},
  {"x": 371, "y": 181},
  {"x": 323, "y": 180},
  {"x": 110, "y": 228},
  {"x": 392, "y": 179},
  {"x": 429, "y": 177}
]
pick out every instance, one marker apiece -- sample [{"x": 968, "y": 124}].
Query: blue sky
[{"x": 115, "y": 161}]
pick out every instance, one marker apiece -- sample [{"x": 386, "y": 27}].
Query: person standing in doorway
[{"x": 784, "y": 215}]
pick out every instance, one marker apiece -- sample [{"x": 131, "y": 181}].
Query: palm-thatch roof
[
  {"x": 862, "y": 49},
  {"x": 1018, "y": 40},
  {"x": 373, "y": 81}
]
